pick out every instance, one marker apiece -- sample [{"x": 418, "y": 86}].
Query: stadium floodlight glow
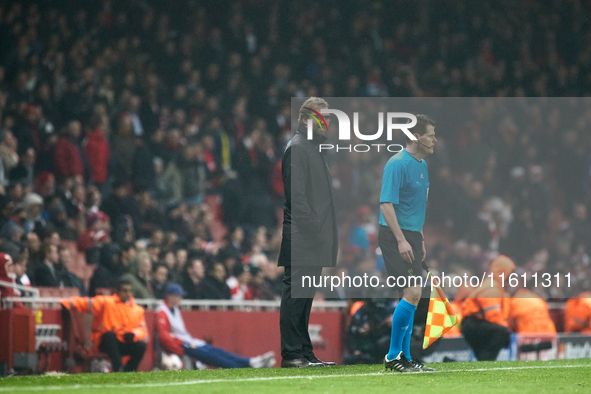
[{"x": 345, "y": 124}]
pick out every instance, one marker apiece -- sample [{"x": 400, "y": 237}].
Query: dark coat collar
[{"x": 316, "y": 138}]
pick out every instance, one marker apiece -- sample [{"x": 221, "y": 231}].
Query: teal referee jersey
[{"x": 405, "y": 183}]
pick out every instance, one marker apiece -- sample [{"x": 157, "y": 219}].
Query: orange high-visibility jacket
[
  {"x": 455, "y": 332},
  {"x": 490, "y": 301},
  {"x": 577, "y": 314},
  {"x": 530, "y": 314},
  {"x": 111, "y": 314}
]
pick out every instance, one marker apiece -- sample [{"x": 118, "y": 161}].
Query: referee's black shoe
[
  {"x": 422, "y": 367},
  {"x": 399, "y": 364}
]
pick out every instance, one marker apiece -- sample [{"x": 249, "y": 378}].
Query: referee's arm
[{"x": 404, "y": 247}]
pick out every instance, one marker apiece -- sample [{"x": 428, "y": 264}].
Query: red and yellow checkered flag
[{"x": 441, "y": 317}]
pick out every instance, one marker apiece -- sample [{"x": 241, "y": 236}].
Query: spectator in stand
[
  {"x": 60, "y": 223},
  {"x": 6, "y": 271},
  {"x": 168, "y": 259},
  {"x": 174, "y": 338},
  {"x": 239, "y": 282},
  {"x": 229, "y": 259},
  {"x": 35, "y": 253},
  {"x": 154, "y": 252},
  {"x": 69, "y": 278},
  {"x": 120, "y": 203},
  {"x": 124, "y": 147},
  {"x": 74, "y": 203},
  {"x": 194, "y": 174},
  {"x": 93, "y": 200},
  {"x": 127, "y": 254},
  {"x": 105, "y": 277},
  {"x": 6, "y": 205},
  {"x": 12, "y": 232},
  {"x": 97, "y": 151},
  {"x": 213, "y": 286},
  {"x": 33, "y": 219},
  {"x": 8, "y": 156},
  {"x": 46, "y": 186},
  {"x": 68, "y": 159},
  {"x": 20, "y": 271},
  {"x": 119, "y": 327},
  {"x": 259, "y": 287},
  {"x": 192, "y": 277},
  {"x": 140, "y": 277},
  {"x": 51, "y": 237},
  {"x": 24, "y": 172},
  {"x": 159, "y": 281},
  {"x": 48, "y": 273},
  {"x": 181, "y": 260},
  {"x": 95, "y": 223}
]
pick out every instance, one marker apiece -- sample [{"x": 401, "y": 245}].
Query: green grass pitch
[{"x": 560, "y": 376}]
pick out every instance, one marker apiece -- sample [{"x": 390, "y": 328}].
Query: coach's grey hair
[{"x": 316, "y": 103}]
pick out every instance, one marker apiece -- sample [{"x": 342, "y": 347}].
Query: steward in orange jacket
[
  {"x": 529, "y": 314},
  {"x": 456, "y": 304},
  {"x": 485, "y": 313},
  {"x": 577, "y": 314},
  {"x": 455, "y": 331},
  {"x": 119, "y": 327}
]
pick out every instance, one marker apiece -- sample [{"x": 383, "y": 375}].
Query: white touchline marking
[{"x": 311, "y": 377}]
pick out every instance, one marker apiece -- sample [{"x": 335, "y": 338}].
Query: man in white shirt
[{"x": 174, "y": 337}]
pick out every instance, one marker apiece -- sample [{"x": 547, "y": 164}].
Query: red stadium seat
[{"x": 76, "y": 333}]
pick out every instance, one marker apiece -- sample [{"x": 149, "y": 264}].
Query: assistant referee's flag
[{"x": 440, "y": 318}]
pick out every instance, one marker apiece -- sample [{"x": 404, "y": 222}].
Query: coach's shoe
[
  {"x": 422, "y": 367},
  {"x": 315, "y": 362},
  {"x": 295, "y": 363},
  {"x": 399, "y": 364}
]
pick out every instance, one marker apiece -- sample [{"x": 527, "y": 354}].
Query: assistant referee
[{"x": 403, "y": 201}]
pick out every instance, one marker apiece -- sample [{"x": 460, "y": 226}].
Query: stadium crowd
[{"x": 119, "y": 119}]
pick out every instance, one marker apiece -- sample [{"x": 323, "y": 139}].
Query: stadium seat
[{"x": 80, "y": 352}]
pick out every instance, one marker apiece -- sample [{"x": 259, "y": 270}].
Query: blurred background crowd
[{"x": 149, "y": 135}]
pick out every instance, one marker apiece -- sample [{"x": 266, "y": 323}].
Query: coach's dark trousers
[
  {"x": 115, "y": 349},
  {"x": 485, "y": 338},
  {"x": 294, "y": 313}
]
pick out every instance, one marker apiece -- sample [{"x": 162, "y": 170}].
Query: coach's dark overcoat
[{"x": 309, "y": 223}]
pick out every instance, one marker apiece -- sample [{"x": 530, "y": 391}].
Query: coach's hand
[
  {"x": 406, "y": 251},
  {"x": 128, "y": 337}
]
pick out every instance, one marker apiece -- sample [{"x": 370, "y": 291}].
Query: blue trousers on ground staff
[{"x": 216, "y": 357}]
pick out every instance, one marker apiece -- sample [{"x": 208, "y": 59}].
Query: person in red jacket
[
  {"x": 174, "y": 337},
  {"x": 68, "y": 161},
  {"x": 6, "y": 264},
  {"x": 97, "y": 151},
  {"x": 119, "y": 326}
]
